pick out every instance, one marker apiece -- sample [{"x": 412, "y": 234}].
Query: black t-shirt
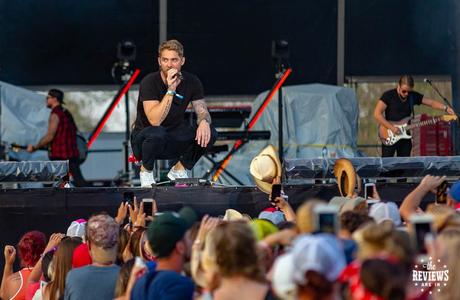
[
  {"x": 152, "y": 87},
  {"x": 397, "y": 109}
]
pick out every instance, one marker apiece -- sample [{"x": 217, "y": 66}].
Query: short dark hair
[
  {"x": 406, "y": 80},
  {"x": 58, "y": 94}
]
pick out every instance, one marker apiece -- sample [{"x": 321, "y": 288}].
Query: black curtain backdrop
[{"x": 227, "y": 43}]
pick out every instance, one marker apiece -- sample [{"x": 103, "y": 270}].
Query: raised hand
[
  {"x": 122, "y": 212},
  {"x": 10, "y": 254}
]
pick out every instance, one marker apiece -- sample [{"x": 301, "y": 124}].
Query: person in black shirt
[
  {"x": 160, "y": 131},
  {"x": 397, "y": 104}
]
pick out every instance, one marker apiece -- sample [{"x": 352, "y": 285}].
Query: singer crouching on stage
[{"x": 160, "y": 130}]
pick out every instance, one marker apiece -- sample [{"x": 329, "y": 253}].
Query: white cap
[
  {"x": 382, "y": 211},
  {"x": 77, "y": 228},
  {"x": 321, "y": 253}
]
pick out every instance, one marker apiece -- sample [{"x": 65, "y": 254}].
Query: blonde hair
[
  {"x": 231, "y": 249},
  {"x": 305, "y": 218},
  {"x": 173, "y": 45}
]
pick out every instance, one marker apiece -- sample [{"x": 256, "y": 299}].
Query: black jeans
[
  {"x": 74, "y": 169},
  {"x": 177, "y": 144},
  {"x": 402, "y": 148}
]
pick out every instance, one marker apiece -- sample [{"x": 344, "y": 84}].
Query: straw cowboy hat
[
  {"x": 345, "y": 174},
  {"x": 265, "y": 167}
]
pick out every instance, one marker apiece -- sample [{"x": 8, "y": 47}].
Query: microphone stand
[
  {"x": 454, "y": 129},
  {"x": 442, "y": 97}
]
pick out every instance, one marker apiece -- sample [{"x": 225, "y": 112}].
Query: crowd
[{"x": 343, "y": 248}]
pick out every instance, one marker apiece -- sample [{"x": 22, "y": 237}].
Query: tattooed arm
[
  {"x": 202, "y": 113},
  {"x": 203, "y": 132},
  {"x": 157, "y": 111}
]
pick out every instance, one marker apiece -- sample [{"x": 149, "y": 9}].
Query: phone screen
[
  {"x": 421, "y": 230},
  {"x": 147, "y": 202},
  {"x": 276, "y": 191},
  {"x": 128, "y": 197},
  {"x": 441, "y": 193},
  {"x": 369, "y": 191},
  {"x": 327, "y": 222}
]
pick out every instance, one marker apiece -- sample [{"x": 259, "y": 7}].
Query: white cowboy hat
[{"x": 265, "y": 167}]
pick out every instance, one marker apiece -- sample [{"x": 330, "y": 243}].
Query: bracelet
[
  {"x": 445, "y": 108},
  {"x": 172, "y": 93}
]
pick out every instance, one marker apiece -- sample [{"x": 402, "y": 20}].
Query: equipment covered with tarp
[
  {"x": 318, "y": 120},
  {"x": 23, "y": 120}
]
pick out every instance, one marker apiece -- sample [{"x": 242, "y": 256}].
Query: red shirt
[{"x": 64, "y": 144}]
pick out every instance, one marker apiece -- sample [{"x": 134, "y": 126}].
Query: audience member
[
  {"x": 166, "y": 235},
  {"x": 30, "y": 247},
  {"x": 101, "y": 275},
  {"x": 232, "y": 249},
  {"x": 310, "y": 270},
  {"x": 62, "y": 263}
]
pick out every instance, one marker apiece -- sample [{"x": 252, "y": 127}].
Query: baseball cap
[
  {"x": 262, "y": 228},
  {"x": 273, "y": 215},
  {"x": 102, "y": 231},
  {"x": 353, "y": 203},
  {"x": 77, "y": 228},
  {"x": 169, "y": 228},
  {"x": 382, "y": 211},
  {"x": 454, "y": 191},
  {"x": 321, "y": 253},
  {"x": 283, "y": 281}
]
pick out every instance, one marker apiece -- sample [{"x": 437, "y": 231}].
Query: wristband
[{"x": 172, "y": 93}]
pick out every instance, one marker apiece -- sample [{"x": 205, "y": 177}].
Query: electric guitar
[
  {"x": 82, "y": 146},
  {"x": 388, "y": 138}
]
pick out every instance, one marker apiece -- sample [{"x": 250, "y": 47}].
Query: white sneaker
[
  {"x": 146, "y": 179},
  {"x": 175, "y": 174}
]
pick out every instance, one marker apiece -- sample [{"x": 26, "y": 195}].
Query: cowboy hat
[
  {"x": 345, "y": 174},
  {"x": 265, "y": 167}
]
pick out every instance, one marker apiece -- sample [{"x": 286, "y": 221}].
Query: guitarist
[
  {"x": 397, "y": 104},
  {"x": 61, "y": 136}
]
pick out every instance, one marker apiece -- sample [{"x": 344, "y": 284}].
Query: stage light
[
  {"x": 126, "y": 51},
  {"x": 280, "y": 50}
]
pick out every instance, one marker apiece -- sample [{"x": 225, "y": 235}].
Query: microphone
[{"x": 427, "y": 80}]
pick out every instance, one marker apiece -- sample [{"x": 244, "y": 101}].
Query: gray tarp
[
  {"x": 41, "y": 171},
  {"x": 23, "y": 120},
  {"x": 297, "y": 170},
  {"x": 316, "y": 117}
]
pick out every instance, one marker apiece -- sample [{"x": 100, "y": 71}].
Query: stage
[{"x": 53, "y": 209}]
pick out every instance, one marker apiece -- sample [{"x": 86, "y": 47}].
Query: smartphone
[
  {"x": 128, "y": 197},
  {"x": 276, "y": 191},
  {"x": 326, "y": 219},
  {"x": 422, "y": 225},
  {"x": 441, "y": 193},
  {"x": 368, "y": 190},
  {"x": 148, "y": 206}
]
